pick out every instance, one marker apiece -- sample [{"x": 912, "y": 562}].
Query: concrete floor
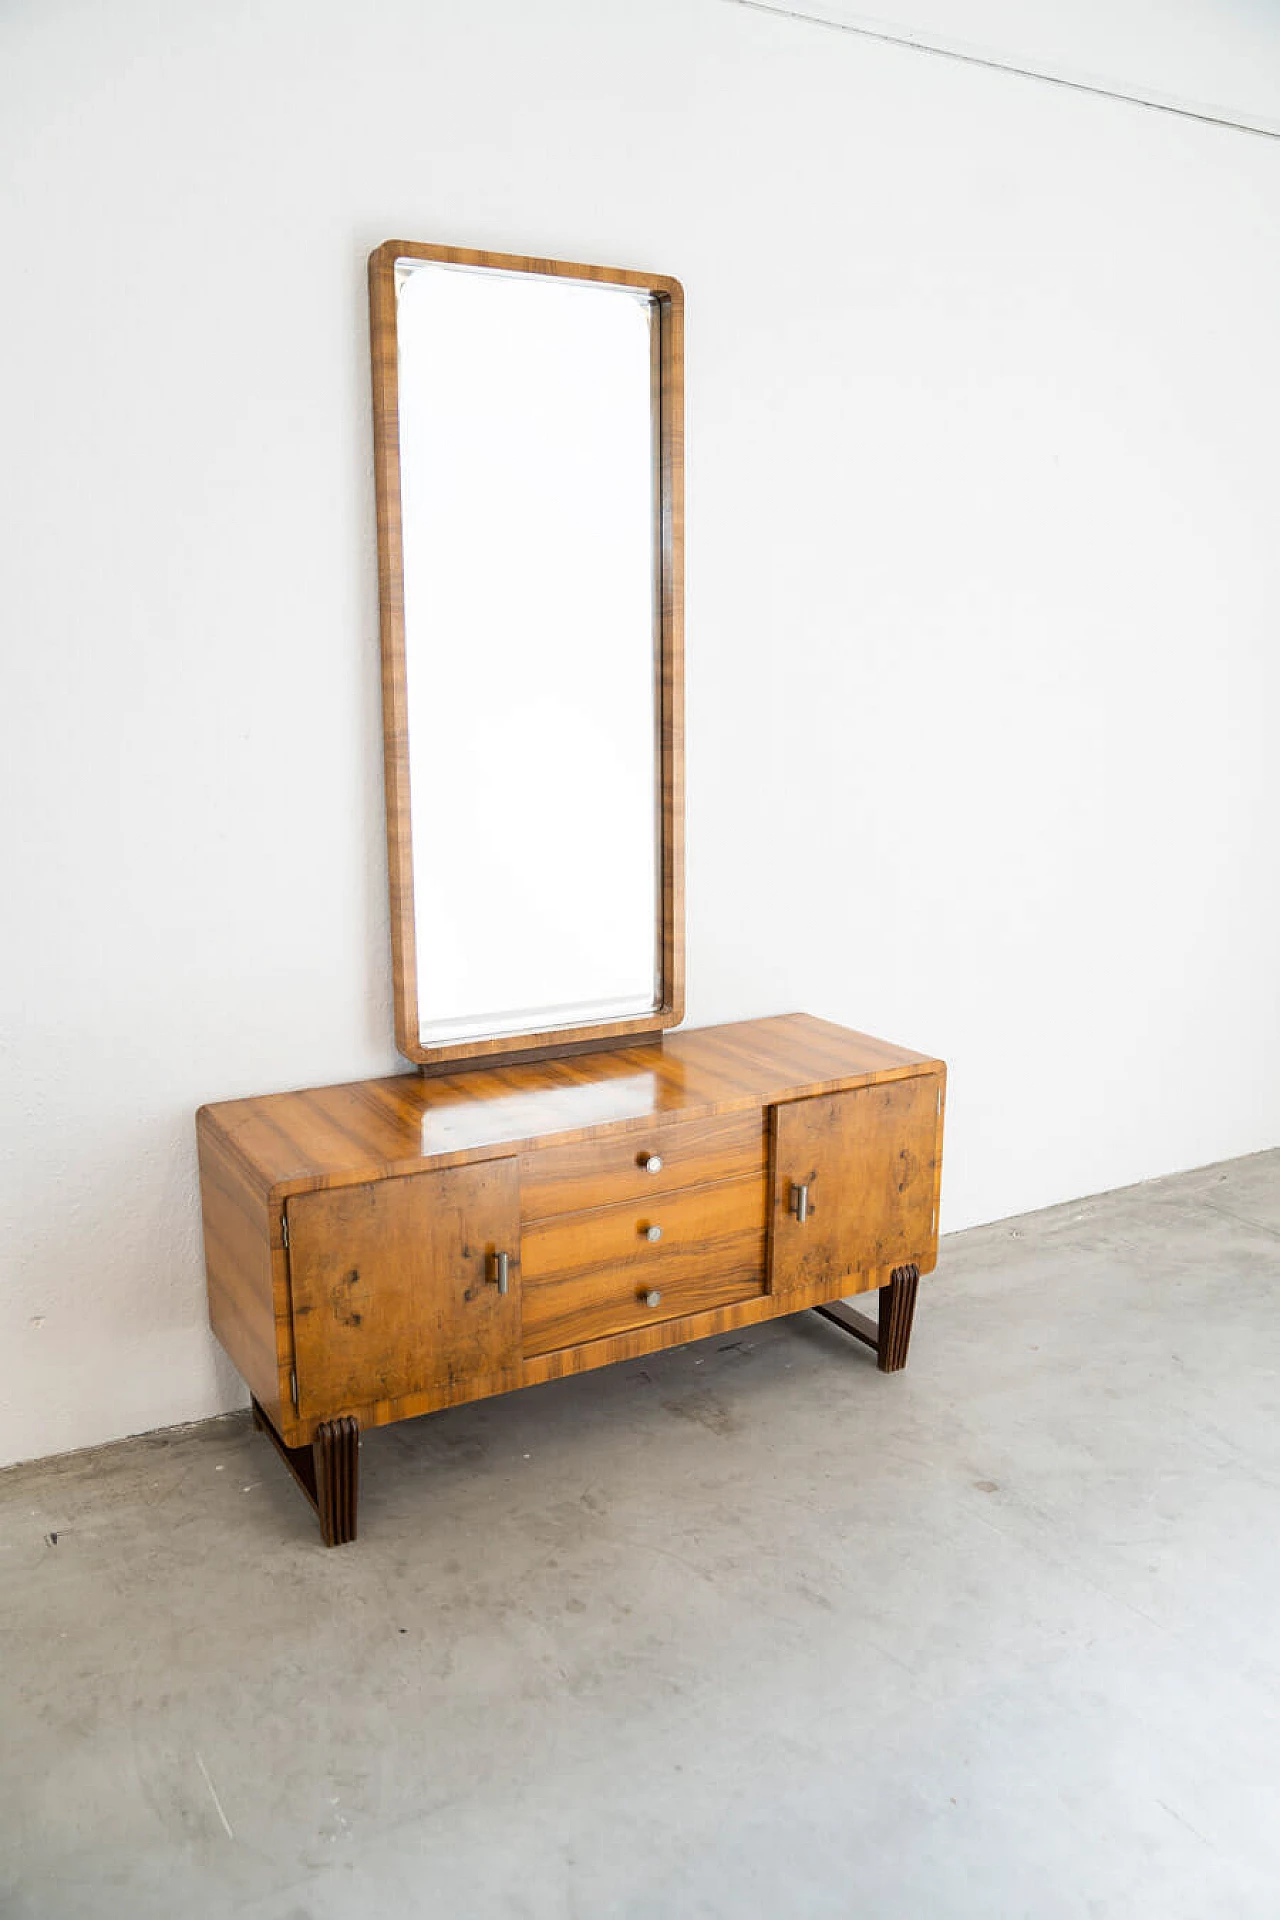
[{"x": 745, "y": 1629}]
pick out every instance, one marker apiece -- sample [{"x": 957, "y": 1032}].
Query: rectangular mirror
[{"x": 529, "y": 452}]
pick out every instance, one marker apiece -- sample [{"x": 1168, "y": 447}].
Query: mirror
[{"x": 528, "y": 438}]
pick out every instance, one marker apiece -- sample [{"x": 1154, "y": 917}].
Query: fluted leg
[
  {"x": 889, "y": 1335},
  {"x": 895, "y": 1313},
  {"x": 336, "y": 1453},
  {"x": 328, "y": 1471}
]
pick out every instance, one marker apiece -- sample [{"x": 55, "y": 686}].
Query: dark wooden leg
[
  {"x": 336, "y": 1452},
  {"x": 896, "y": 1311},
  {"x": 328, "y": 1472},
  {"x": 889, "y": 1335}
]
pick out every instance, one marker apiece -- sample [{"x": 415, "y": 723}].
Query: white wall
[{"x": 981, "y": 612}]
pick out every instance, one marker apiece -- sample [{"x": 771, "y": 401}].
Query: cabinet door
[
  {"x": 394, "y": 1291},
  {"x": 867, "y": 1162}
]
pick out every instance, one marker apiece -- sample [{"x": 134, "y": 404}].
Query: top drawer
[{"x": 618, "y": 1167}]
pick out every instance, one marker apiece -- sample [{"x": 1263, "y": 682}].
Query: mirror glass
[{"x": 529, "y": 489}]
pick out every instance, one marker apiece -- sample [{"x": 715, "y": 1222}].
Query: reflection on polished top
[{"x": 288, "y": 1142}]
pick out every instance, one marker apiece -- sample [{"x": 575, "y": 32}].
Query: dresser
[{"x": 388, "y": 1248}]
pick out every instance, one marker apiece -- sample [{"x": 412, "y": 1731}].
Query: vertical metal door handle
[
  {"x": 502, "y": 1272},
  {"x": 800, "y": 1202}
]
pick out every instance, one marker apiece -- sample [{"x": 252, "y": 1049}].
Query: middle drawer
[{"x": 585, "y": 1275}]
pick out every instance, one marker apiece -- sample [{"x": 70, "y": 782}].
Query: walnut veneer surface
[
  {"x": 384, "y": 1248},
  {"x": 667, "y": 401},
  {"x": 371, "y": 1128}
]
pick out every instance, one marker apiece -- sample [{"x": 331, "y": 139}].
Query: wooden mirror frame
[{"x": 668, "y": 418}]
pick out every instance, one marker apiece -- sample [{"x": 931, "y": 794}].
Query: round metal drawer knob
[
  {"x": 653, "y": 1298},
  {"x": 652, "y": 1233},
  {"x": 651, "y": 1162}
]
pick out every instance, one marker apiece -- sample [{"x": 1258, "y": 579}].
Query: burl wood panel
[
  {"x": 869, "y": 1159},
  {"x": 392, "y": 1294},
  {"x": 607, "y": 1172},
  {"x": 668, "y": 417}
]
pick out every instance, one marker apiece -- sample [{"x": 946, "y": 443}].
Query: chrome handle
[
  {"x": 651, "y": 1162},
  {"x": 652, "y": 1233},
  {"x": 800, "y": 1202},
  {"x": 653, "y": 1298},
  {"x": 502, "y": 1272}
]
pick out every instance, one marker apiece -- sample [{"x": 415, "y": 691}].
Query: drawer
[
  {"x": 608, "y": 1171},
  {"x": 586, "y": 1276}
]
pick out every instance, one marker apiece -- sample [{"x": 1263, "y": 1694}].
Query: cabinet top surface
[{"x": 372, "y": 1128}]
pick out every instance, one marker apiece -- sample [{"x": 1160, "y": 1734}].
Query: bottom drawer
[{"x": 715, "y": 1257}]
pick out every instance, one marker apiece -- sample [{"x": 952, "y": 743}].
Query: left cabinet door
[{"x": 395, "y": 1291}]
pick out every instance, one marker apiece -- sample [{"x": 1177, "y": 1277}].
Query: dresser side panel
[
  {"x": 248, "y": 1296},
  {"x": 930, "y": 1259}
]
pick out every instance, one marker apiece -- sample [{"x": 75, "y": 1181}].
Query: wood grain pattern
[
  {"x": 687, "y": 1221},
  {"x": 395, "y": 711},
  {"x": 612, "y": 1170},
  {"x": 392, "y": 1288},
  {"x": 668, "y": 407},
  {"x": 274, "y": 1151},
  {"x": 669, "y": 402},
  {"x": 595, "y": 1306},
  {"x": 591, "y": 1275},
  {"x": 606, "y": 1349},
  {"x": 372, "y": 1129},
  {"x": 245, "y": 1309},
  {"x": 868, "y": 1161},
  {"x": 638, "y": 1341}
]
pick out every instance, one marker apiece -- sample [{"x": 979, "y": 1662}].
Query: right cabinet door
[{"x": 855, "y": 1186}]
